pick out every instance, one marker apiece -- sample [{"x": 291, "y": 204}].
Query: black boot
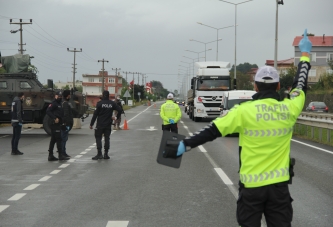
[
  {"x": 106, "y": 156},
  {"x": 98, "y": 156},
  {"x": 62, "y": 157},
  {"x": 66, "y": 155},
  {"x": 16, "y": 152},
  {"x": 51, "y": 157}
]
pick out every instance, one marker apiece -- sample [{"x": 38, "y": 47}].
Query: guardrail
[{"x": 317, "y": 126}]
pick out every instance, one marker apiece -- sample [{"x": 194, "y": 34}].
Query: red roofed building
[
  {"x": 92, "y": 86},
  {"x": 322, "y": 51},
  {"x": 282, "y": 65}
]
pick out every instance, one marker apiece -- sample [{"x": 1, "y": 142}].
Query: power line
[
  {"x": 47, "y": 55},
  {"x": 50, "y": 35},
  {"x": 48, "y": 38},
  {"x": 43, "y": 40}
]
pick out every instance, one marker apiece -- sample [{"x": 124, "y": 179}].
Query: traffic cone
[
  {"x": 125, "y": 125},
  {"x": 154, "y": 105}
]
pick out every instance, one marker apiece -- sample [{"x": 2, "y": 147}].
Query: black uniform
[
  {"x": 54, "y": 111},
  {"x": 17, "y": 119},
  {"x": 103, "y": 113}
]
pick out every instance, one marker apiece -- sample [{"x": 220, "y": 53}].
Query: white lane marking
[
  {"x": 27, "y": 130},
  {"x": 78, "y": 156},
  {"x": 4, "y": 136},
  {"x": 31, "y": 187},
  {"x": 83, "y": 152},
  {"x": 117, "y": 224},
  {"x": 63, "y": 165},
  {"x": 91, "y": 146},
  {"x": 185, "y": 126},
  {"x": 202, "y": 149},
  {"x": 318, "y": 148},
  {"x": 87, "y": 149},
  {"x": 71, "y": 160},
  {"x": 182, "y": 122},
  {"x": 55, "y": 171},
  {"x": 3, "y": 207},
  {"x": 17, "y": 196},
  {"x": 45, "y": 178},
  {"x": 94, "y": 144},
  {"x": 223, "y": 176}
]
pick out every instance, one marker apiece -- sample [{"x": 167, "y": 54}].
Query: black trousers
[
  {"x": 98, "y": 135},
  {"x": 170, "y": 128},
  {"x": 273, "y": 201},
  {"x": 16, "y": 135},
  {"x": 55, "y": 137}
]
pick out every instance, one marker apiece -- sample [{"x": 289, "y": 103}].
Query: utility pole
[
  {"x": 103, "y": 73},
  {"x": 126, "y": 79},
  {"x": 21, "y": 30},
  {"x": 276, "y": 32},
  {"x": 74, "y": 65},
  {"x": 117, "y": 78},
  {"x": 143, "y": 75}
]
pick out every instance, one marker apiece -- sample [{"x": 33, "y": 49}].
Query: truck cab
[
  {"x": 232, "y": 98},
  {"x": 207, "y": 87}
]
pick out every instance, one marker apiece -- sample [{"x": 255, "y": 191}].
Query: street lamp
[
  {"x": 205, "y": 44},
  {"x": 235, "y": 87},
  {"x": 217, "y": 31},
  {"x": 276, "y": 31},
  {"x": 199, "y": 52}
]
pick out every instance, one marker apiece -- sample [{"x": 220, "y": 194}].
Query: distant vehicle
[
  {"x": 180, "y": 102},
  {"x": 37, "y": 97},
  {"x": 207, "y": 87},
  {"x": 317, "y": 106},
  {"x": 232, "y": 98}
]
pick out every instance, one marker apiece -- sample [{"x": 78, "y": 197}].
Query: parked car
[{"x": 317, "y": 107}]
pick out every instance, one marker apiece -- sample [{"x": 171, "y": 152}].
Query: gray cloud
[{"x": 151, "y": 36}]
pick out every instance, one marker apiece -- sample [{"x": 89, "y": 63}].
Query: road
[{"x": 132, "y": 190}]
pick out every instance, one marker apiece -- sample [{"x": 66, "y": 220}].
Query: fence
[{"x": 315, "y": 126}]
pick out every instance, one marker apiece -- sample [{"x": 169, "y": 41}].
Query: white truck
[
  {"x": 232, "y": 98},
  {"x": 207, "y": 87}
]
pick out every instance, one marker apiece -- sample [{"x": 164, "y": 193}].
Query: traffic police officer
[
  {"x": 103, "y": 114},
  {"x": 265, "y": 133},
  {"x": 170, "y": 114},
  {"x": 56, "y": 113}
]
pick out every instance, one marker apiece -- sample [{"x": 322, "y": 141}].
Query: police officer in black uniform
[
  {"x": 103, "y": 114},
  {"x": 56, "y": 113}
]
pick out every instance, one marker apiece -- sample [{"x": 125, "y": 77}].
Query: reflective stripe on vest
[
  {"x": 268, "y": 132},
  {"x": 249, "y": 178}
]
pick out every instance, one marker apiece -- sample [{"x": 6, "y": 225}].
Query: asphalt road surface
[{"x": 132, "y": 189}]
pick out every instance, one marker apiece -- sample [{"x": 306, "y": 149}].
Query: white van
[{"x": 231, "y": 98}]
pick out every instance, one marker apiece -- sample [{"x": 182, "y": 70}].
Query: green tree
[
  {"x": 243, "y": 68},
  {"x": 65, "y": 87},
  {"x": 243, "y": 81}
]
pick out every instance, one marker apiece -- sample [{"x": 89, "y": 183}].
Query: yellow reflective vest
[
  {"x": 265, "y": 129},
  {"x": 170, "y": 110}
]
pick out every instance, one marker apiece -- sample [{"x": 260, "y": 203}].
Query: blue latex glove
[
  {"x": 171, "y": 121},
  {"x": 67, "y": 127},
  {"x": 305, "y": 44},
  {"x": 181, "y": 148},
  {"x": 20, "y": 124}
]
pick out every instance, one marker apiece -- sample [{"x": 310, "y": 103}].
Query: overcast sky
[{"x": 151, "y": 36}]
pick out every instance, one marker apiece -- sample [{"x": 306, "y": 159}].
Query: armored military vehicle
[{"x": 37, "y": 98}]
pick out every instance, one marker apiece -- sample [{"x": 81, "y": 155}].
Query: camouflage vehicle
[{"x": 37, "y": 98}]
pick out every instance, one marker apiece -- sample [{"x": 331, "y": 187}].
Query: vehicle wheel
[
  {"x": 47, "y": 121},
  {"x": 197, "y": 119}
]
